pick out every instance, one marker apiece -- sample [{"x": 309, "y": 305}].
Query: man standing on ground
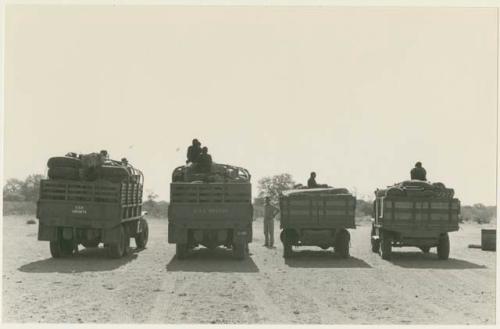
[
  {"x": 418, "y": 172},
  {"x": 270, "y": 212}
]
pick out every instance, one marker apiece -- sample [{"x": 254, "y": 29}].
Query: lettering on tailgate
[{"x": 79, "y": 210}]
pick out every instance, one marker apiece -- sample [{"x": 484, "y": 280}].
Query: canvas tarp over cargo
[{"x": 317, "y": 208}]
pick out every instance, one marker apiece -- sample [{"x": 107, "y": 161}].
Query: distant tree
[
  {"x": 152, "y": 196},
  {"x": 31, "y": 187},
  {"x": 18, "y": 190},
  {"x": 13, "y": 185},
  {"x": 478, "y": 213},
  {"x": 364, "y": 208},
  {"x": 273, "y": 186}
]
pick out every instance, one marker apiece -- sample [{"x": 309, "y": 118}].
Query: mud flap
[{"x": 47, "y": 233}]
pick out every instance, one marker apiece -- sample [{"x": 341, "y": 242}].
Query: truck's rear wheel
[
  {"x": 443, "y": 248},
  {"x": 375, "y": 242},
  {"x": 118, "y": 249},
  {"x": 141, "y": 239},
  {"x": 61, "y": 248},
  {"x": 287, "y": 249},
  {"x": 181, "y": 251},
  {"x": 342, "y": 243},
  {"x": 240, "y": 250},
  {"x": 385, "y": 245}
]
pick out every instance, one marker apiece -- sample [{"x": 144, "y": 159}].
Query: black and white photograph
[{"x": 235, "y": 163}]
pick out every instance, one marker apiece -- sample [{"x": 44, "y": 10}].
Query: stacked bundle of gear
[
  {"x": 417, "y": 188},
  {"x": 91, "y": 167},
  {"x": 219, "y": 173}
]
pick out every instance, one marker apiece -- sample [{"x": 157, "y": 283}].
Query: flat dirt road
[{"x": 315, "y": 287}]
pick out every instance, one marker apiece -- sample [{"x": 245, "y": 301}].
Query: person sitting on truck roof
[
  {"x": 205, "y": 161},
  {"x": 194, "y": 152},
  {"x": 311, "y": 182},
  {"x": 418, "y": 172}
]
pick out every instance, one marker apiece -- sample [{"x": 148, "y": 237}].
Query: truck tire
[
  {"x": 425, "y": 250},
  {"x": 114, "y": 174},
  {"x": 240, "y": 250},
  {"x": 375, "y": 242},
  {"x": 342, "y": 243},
  {"x": 181, "y": 251},
  {"x": 141, "y": 239},
  {"x": 287, "y": 243},
  {"x": 386, "y": 245},
  {"x": 64, "y": 173},
  {"x": 287, "y": 250},
  {"x": 64, "y": 162},
  {"x": 117, "y": 249},
  {"x": 443, "y": 248},
  {"x": 61, "y": 248}
]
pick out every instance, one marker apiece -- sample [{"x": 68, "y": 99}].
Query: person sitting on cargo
[
  {"x": 418, "y": 172},
  {"x": 104, "y": 154},
  {"x": 311, "y": 182},
  {"x": 205, "y": 161},
  {"x": 194, "y": 152},
  {"x": 124, "y": 161}
]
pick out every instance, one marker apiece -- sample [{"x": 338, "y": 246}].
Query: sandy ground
[{"x": 315, "y": 287}]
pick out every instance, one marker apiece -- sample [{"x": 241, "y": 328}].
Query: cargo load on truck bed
[
  {"x": 76, "y": 209},
  {"x": 416, "y": 188},
  {"x": 414, "y": 213},
  {"x": 317, "y": 217},
  {"x": 91, "y": 167},
  {"x": 219, "y": 173}
]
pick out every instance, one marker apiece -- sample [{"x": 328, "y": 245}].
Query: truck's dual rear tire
[
  {"x": 240, "y": 250},
  {"x": 375, "y": 242},
  {"x": 122, "y": 247},
  {"x": 287, "y": 249},
  {"x": 443, "y": 248},
  {"x": 141, "y": 239},
  {"x": 181, "y": 251},
  {"x": 61, "y": 248},
  {"x": 286, "y": 237},
  {"x": 385, "y": 245},
  {"x": 342, "y": 243}
]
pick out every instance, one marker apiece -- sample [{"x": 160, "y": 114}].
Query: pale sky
[{"x": 356, "y": 94}]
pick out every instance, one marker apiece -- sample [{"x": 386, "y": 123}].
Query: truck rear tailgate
[
  {"x": 318, "y": 211},
  {"x": 426, "y": 214}
]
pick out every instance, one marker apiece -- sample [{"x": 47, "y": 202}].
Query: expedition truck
[
  {"x": 73, "y": 212},
  {"x": 414, "y": 213},
  {"x": 317, "y": 217},
  {"x": 211, "y": 210}
]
